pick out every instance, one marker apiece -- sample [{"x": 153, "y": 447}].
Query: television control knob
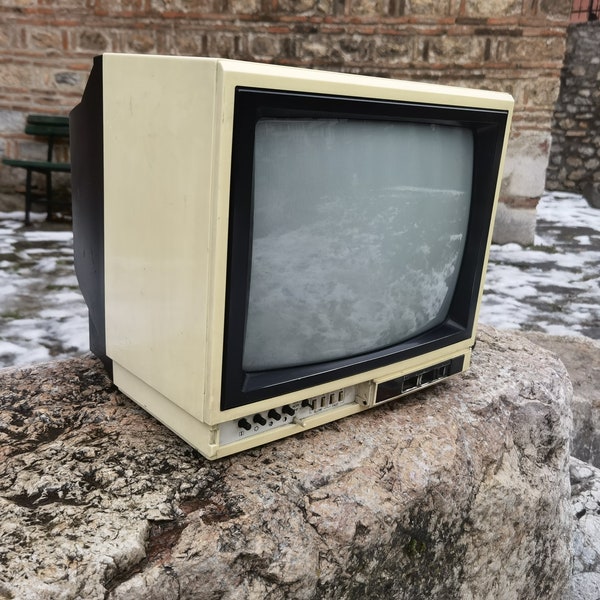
[
  {"x": 273, "y": 414},
  {"x": 288, "y": 410},
  {"x": 243, "y": 424},
  {"x": 258, "y": 418}
]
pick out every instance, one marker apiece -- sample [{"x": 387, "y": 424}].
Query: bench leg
[
  {"x": 49, "y": 195},
  {"x": 28, "y": 197}
]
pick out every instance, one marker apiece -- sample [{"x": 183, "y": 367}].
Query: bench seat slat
[
  {"x": 48, "y": 120},
  {"x": 47, "y": 130},
  {"x": 39, "y": 166}
]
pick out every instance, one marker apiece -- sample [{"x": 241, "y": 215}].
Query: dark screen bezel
[{"x": 240, "y": 388}]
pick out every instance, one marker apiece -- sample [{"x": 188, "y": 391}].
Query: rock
[
  {"x": 580, "y": 356},
  {"x": 459, "y": 491},
  {"x": 585, "y": 482}
]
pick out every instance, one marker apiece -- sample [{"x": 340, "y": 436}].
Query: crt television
[{"x": 265, "y": 249}]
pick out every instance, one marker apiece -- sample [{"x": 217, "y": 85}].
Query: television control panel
[
  {"x": 295, "y": 413},
  {"x": 366, "y": 395},
  {"x": 405, "y": 384}
]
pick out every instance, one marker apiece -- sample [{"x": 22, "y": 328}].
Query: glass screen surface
[{"x": 359, "y": 229}]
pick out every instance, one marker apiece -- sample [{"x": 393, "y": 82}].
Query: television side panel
[
  {"x": 159, "y": 133},
  {"x": 493, "y": 218},
  {"x": 87, "y": 191}
]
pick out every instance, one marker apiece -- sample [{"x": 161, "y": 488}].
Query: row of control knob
[{"x": 258, "y": 419}]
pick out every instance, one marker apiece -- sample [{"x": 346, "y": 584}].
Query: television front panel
[{"x": 265, "y": 249}]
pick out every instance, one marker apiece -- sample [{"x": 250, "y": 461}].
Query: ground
[{"x": 551, "y": 287}]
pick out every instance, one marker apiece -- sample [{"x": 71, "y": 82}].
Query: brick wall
[
  {"x": 511, "y": 45},
  {"x": 585, "y": 10},
  {"x": 575, "y": 154}
]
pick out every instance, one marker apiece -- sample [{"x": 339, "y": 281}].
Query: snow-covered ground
[
  {"x": 552, "y": 286},
  {"x": 42, "y": 313}
]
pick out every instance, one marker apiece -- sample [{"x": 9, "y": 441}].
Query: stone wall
[
  {"x": 510, "y": 45},
  {"x": 575, "y": 154}
]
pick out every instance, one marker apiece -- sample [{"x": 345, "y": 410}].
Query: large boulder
[
  {"x": 580, "y": 357},
  {"x": 585, "y": 482},
  {"x": 459, "y": 491}
]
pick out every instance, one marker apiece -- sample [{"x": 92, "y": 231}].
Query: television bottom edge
[{"x": 258, "y": 428}]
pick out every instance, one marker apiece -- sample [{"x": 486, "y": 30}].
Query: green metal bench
[{"x": 53, "y": 128}]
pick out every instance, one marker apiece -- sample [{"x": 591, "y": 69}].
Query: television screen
[
  {"x": 358, "y": 234},
  {"x": 266, "y": 249}
]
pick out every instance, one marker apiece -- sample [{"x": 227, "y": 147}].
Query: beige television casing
[{"x": 167, "y": 144}]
